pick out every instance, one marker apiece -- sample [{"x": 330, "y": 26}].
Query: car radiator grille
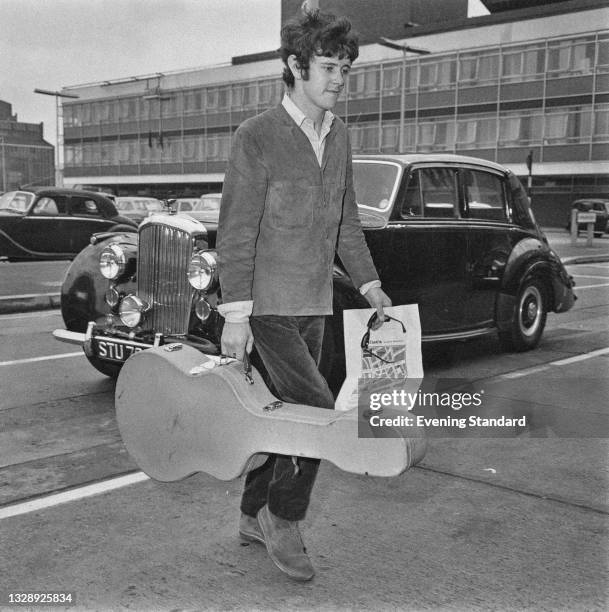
[{"x": 163, "y": 259}]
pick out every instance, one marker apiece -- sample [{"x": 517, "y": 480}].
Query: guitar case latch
[{"x": 273, "y": 406}]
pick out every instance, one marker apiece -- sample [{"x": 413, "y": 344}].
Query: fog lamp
[
  {"x": 112, "y": 297},
  {"x": 131, "y": 310},
  {"x": 112, "y": 262},
  {"x": 202, "y": 309},
  {"x": 203, "y": 271}
]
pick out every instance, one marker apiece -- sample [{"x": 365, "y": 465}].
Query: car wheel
[
  {"x": 529, "y": 317},
  {"x": 108, "y": 369}
]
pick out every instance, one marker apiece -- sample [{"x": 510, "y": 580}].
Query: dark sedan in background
[
  {"x": 600, "y": 208},
  {"x": 453, "y": 234},
  {"x": 57, "y": 224}
]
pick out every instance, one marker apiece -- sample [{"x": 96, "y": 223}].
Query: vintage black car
[
  {"x": 58, "y": 224},
  {"x": 453, "y": 234}
]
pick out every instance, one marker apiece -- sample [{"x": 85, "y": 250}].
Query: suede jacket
[{"x": 283, "y": 217}]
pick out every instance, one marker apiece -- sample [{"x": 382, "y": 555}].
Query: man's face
[{"x": 327, "y": 77}]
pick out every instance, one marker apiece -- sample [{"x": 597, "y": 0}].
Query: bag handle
[{"x": 366, "y": 337}]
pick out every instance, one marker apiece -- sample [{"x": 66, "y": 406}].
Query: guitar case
[{"x": 180, "y": 411}]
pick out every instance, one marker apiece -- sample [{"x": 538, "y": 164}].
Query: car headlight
[
  {"x": 112, "y": 262},
  {"x": 131, "y": 310},
  {"x": 203, "y": 270}
]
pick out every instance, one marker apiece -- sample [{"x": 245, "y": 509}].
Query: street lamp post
[
  {"x": 392, "y": 44},
  {"x": 58, "y": 164}
]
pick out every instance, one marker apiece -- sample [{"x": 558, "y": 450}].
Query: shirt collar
[{"x": 299, "y": 117}]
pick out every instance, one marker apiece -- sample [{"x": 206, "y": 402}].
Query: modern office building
[
  {"x": 529, "y": 80},
  {"x": 26, "y": 159}
]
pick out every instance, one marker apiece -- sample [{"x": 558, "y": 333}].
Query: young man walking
[{"x": 288, "y": 206}]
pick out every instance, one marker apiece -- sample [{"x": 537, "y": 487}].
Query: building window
[
  {"x": 476, "y": 132},
  {"x": 601, "y": 123},
  {"x": 217, "y": 147},
  {"x": 570, "y": 57},
  {"x": 243, "y": 96},
  {"x": 438, "y": 75},
  {"x": 270, "y": 92},
  {"x": 568, "y": 126},
  {"x": 391, "y": 80},
  {"x": 127, "y": 109},
  {"x": 390, "y": 134},
  {"x": 603, "y": 55},
  {"x": 519, "y": 130},
  {"x": 365, "y": 137},
  {"x": 193, "y": 101},
  {"x": 523, "y": 64},
  {"x": 364, "y": 83},
  {"x": 478, "y": 69},
  {"x": 436, "y": 135},
  {"x": 224, "y": 98},
  {"x": 211, "y": 98}
]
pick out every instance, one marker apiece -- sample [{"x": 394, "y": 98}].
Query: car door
[
  {"x": 490, "y": 240},
  {"x": 43, "y": 228},
  {"x": 84, "y": 220},
  {"x": 429, "y": 249}
]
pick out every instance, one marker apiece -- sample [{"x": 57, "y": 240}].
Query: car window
[
  {"x": 375, "y": 184},
  {"x": 432, "y": 191},
  {"x": 47, "y": 206},
  {"x": 211, "y": 203},
  {"x": 484, "y": 195},
  {"x": 84, "y": 206},
  {"x": 16, "y": 201},
  {"x": 185, "y": 206}
]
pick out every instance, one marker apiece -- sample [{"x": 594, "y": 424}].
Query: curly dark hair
[{"x": 316, "y": 33}]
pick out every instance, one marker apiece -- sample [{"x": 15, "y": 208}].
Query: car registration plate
[{"x": 116, "y": 351}]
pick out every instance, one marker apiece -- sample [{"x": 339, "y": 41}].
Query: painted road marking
[
  {"x": 558, "y": 362},
  {"x": 589, "y": 276},
  {"x": 46, "y": 358},
  {"x": 29, "y": 315},
  {"x": 578, "y": 288},
  {"x": 72, "y": 495},
  {"x": 583, "y": 357}
]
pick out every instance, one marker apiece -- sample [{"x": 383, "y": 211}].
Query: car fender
[
  {"x": 531, "y": 257},
  {"x": 83, "y": 288}
]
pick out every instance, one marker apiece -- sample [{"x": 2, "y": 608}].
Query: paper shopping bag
[{"x": 386, "y": 355}]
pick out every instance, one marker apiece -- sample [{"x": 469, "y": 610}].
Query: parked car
[
  {"x": 453, "y": 234},
  {"x": 15, "y": 201},
  {"x": 137, "y": 208},
  {"x": 58, "y": 224},
  {"x": 599, "y": 207},
  {"x": 205, "y": 209}
]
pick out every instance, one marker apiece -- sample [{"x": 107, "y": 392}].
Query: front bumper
[{"x": 96, "y": 339}]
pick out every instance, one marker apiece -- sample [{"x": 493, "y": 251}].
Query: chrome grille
[{"x": 164, "y": 252}]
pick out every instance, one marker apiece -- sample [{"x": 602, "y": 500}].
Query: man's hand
[
  {"x": 236, "y": 339},
  {"x": 378, "y": 299}
]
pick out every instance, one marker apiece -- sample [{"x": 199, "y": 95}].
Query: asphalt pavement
[
  {"x": 481, "y": 524},
  {"x": 36, "y": 285}
]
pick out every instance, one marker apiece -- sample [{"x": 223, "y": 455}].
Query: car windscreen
[
  {"x": 375, "y": 183},
  {"x": 15, "y": 201}
]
